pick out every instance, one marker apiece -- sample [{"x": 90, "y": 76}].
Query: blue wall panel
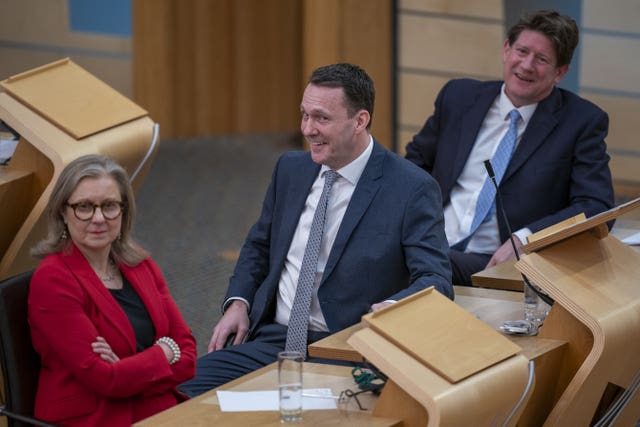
[{"x": 112, "y": 17}]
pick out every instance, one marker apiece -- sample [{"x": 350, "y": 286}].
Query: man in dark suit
[
  {"x": 558, "y": 166},
  {"x": 383, "y": 237}
]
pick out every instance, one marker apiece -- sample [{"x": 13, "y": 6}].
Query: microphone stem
[
  {"x": 543, "y": 296},
  {"x": 504, "y": 217}
]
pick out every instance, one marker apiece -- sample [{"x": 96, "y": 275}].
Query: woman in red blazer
[{"x": 112, "y": 342}]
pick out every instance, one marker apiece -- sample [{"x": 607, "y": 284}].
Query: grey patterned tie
[{"x": 299, "y": 319}]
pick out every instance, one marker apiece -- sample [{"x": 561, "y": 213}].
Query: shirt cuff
[
  {"x": 225, "y": 305},
  {"x": 522, "y": 235}
]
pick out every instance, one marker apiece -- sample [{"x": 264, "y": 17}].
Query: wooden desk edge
[
  {"x": 501, "y": 276},
  {"x": 335, "y": 347},
  {"x": 175, "y": 415}
]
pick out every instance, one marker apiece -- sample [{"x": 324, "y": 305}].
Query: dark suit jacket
[
  {"x": 390, "y": 243},
  {"x": 559, "y": 169},
  {"x": 68, "y": 308}
]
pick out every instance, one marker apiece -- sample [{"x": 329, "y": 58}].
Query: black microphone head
[{"x": 489, "y": 168}]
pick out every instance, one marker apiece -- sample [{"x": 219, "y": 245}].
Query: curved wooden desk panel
[
  {"x": 446, "y": 367},
  {"x": 15, "y": 191},
  {"x": 594, "y": 282},
  {"x": 492, "y": 307},
  {"x": 44, "y": 150},
  {"x": 482, "y": 399}
]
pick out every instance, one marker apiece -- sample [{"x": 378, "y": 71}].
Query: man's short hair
[
  {"x": 359, "y": 92},
  {"x": 562, "y": 30}
]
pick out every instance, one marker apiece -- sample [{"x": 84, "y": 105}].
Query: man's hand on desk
[
  {"x": 379, "y": 305},
  {"x": 235, "y": 320},
  {"x": 504, "y": 252}
]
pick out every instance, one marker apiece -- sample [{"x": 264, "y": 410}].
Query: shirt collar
[
  {"x": 352, "y": 171},
  {"x": 505, "y": 106}
]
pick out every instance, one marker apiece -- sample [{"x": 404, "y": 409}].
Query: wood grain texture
[
  {"x": 45, "y": 149},
  {"x": 593, "y": 281},
  {"x": 204, "y": 410}
]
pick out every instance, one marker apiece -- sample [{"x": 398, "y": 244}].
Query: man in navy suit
[
  {"x": 383, "y": 240},
  {"x": 559, "y": 167}
]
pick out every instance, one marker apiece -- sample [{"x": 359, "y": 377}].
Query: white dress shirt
[
  {"x": 338, "y": 201},
  {"x": 459, "y": 213}
]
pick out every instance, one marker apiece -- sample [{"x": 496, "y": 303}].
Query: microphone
[{"x": 543, "y": 296}]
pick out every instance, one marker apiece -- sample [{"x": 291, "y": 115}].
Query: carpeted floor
[{"x": 195, "y": 208}]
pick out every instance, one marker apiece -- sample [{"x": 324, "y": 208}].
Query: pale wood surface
[
  {"x": 15, "y": 191},
  {"x": 500, "y": 276},
  {"x": 44, "y": 149},
  {"x": 89, "y": 106},
  {"x": 556, "y": 227},
  {"x": 481, "y": 399},
  {"x": 421, "y": 325},
  {"x": 588, "y": 224},
  {"x": 593, "y": 280},
  {"x": 491, "y": 306},
  {"x": 205, "y": 410},
  {"x": 506, "y": 276},
  {"x": 335, "y": 346},
  {"x": 627, "y": 224}
]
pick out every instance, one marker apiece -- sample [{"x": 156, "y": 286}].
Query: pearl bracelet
[{"x": 173, "y": 346}]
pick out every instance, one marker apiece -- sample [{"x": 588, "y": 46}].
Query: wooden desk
[
  {"x": 501, "y": 276},
  {"x": 205, "y": 410},
  {"x": 626, "y": 225},
  {"x": 493, "y": 307},
  {"x": 506, "y": 276}
]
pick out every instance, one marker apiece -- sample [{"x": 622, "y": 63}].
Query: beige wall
[
  {"x": 440, "y": 40},
  {"x": 610, "y": 76},
  {"x": 204, "y": 67},
  {"x": 437, "y": 40},
  {"x": 37, "y": 32}
]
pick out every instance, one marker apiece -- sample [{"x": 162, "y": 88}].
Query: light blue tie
[
  {"x": 499, "y": 162},
  {"x": 299, "y": 318}
]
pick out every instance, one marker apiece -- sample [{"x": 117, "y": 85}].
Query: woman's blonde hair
[{"x": 123, "y": 249}]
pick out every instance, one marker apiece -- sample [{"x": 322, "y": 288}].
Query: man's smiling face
[{"x": 529, "y": 68}]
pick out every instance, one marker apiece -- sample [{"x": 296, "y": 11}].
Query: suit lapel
[
  {"x": 365, "y": 190},
  {"x": 108, "y": 306},
  {"x": 294, "y": 201},
  {"x": 542, "y": 123},
  {"x": 470, "y": 124}
]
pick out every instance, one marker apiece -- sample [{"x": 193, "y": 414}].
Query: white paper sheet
[
  {"x": 267, "y": 400},
  {"x": 634, "y": 239}
]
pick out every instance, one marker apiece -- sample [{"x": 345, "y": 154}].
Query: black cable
[{"x": 543, "y": 296}]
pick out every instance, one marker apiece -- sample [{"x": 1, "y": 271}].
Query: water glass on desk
[
  {"x": 290, "y": 385},
  {"x": 535, "y": 309}
]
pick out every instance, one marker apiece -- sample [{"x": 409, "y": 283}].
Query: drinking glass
[
  {"x": 535, "y": 309},
  {"x": 290, "y": 385}
]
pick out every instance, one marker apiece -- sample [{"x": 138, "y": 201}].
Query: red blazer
[{"x": 68, "y": 308}]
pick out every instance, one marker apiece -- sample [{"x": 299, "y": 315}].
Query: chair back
[{"x": 19, "y": 361}]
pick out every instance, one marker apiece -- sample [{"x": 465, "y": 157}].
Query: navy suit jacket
[
  {"x": 390, "y": 244},
  {"x": 559, "y": 169}
]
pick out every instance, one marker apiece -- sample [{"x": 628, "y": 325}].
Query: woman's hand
[{"x": 101, "y": 347}]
